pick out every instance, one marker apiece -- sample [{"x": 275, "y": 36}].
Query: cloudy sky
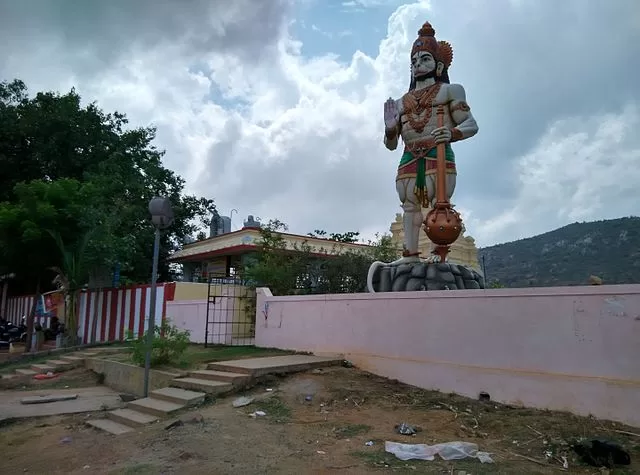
[{"x": 274, "y": 107}]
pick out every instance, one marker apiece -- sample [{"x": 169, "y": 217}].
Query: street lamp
[{"x": 162, "y": 218}]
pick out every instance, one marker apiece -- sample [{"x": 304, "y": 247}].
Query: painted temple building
[
  {"x": 463, "y": 251},
  {"x": 226, "y": 251}
]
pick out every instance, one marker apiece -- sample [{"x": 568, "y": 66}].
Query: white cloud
[
  {"x": 272, "y": 133},
  {"x": 583, "y": 168},
  {"x": 360, "y": 5}
]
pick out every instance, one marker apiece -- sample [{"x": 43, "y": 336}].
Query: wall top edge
[{"x": 603, "y": 290}]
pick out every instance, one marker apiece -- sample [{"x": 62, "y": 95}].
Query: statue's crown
[{"x": 441, "y": 50}]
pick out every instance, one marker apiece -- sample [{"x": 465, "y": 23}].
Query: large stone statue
[{"x": 414, "y": 119}]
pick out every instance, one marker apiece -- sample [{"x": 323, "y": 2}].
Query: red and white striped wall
[
  {"x": 106, "y": 315},
  {"x": 17, "y": 307}
]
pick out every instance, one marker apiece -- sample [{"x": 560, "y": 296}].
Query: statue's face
[{"x": 423, "y": 64}]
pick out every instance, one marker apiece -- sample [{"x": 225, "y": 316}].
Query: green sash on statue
[{"x": 421, "y": 183}]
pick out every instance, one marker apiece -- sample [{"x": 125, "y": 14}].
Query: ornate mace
[{"x": 443, "y": 224}]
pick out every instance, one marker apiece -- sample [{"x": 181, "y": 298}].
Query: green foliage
[
  {"x": 169, "y": 344},
  {"x": 70, "y": 168},
  {"x": 273, "y": 263},
  {"x": 70, "y": 276},
  {"x": 350, "y": 236},
  {"x": 304, "y": 270},
  {"x": 569, "y": 255}
]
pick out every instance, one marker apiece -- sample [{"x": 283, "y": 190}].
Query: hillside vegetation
[{"x": 569, "y": 255}]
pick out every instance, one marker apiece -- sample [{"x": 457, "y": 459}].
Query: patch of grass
[
  {"x": 275, "y": 408},
  {"x": 351, "y": 430}
]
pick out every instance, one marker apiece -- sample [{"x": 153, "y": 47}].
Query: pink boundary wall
[
  {"x": 564, "y": 348},
  {"x": 106, "y": 315},
  {"x": 191, "y": 315}
]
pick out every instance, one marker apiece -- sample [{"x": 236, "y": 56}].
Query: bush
[
  {"x": 306, "y": 270},
  {"x": 169, "y": 344}
]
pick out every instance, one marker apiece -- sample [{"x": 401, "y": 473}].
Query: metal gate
[{"x": 231, "y": 312}]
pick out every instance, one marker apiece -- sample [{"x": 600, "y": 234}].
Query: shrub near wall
[{"x": 169, "y": 344}]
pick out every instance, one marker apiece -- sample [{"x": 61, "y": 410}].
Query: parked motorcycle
[{"x": 11, "y": 333}]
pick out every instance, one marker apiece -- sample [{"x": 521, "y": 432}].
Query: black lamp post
[{"x": 162, "y": 218}]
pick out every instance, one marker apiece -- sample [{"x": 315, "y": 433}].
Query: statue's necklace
[{"x": 417, "y": 102}]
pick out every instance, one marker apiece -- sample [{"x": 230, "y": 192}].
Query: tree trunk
[
  {"x": 94, "y": 323},
  {"x": 71, "y": 318},
  {"x": 30, "y": 319},
  {"x": 5, "y": 292}
]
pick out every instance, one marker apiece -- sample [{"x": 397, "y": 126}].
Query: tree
[
  {"x": 496, "y": 284},
  {"x": 70, "y": 168},
  {"x": 273, "y": 264},
  {"x": 39, "y": 206},
  {"x": 349, "y": 236},
  {"x": 71, "y": 275},
  {"x": 303, "y": 270}
]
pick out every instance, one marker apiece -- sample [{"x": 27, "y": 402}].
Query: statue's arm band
[{"x": 456, "y": 134}]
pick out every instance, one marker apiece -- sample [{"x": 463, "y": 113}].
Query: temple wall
[{"x": 563, "y": 348}]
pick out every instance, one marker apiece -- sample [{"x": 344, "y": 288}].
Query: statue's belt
[
  {"x": 420, "y": 157},
  {"x": 420, "y": 148},
  {"x": 421, "y": 151}
]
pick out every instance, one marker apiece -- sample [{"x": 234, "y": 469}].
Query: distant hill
[{"x": 568, "y": 256}]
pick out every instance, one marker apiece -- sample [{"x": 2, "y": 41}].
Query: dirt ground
[
  {"x": 326, "y": 434},
  {"x": 75, "y": 378}
]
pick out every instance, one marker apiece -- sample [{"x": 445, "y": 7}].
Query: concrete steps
[
  {"x": 154, "y": 407},
  {"x": 110, "y": 426},
  {"x": 55, "y": 366},
  {"x": 26, "y": 372},
  {"x": 62, "y": 362},
  {"x": 224, "y": 376},
  {"x": 77, "y": 360},
  {"x": 178, "y": 396},
  {"x": 218, "y": 378},
  {"x": 228, "y": 367},
  {"x": 256, "y": 367},
  {"x": 42, "y": 368},
  {"x": 131, "y": 418},
  {"x": 203, "y": 385},
  {"x": 60, "y": 365},
  {"x": 160, "y": 403}
]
